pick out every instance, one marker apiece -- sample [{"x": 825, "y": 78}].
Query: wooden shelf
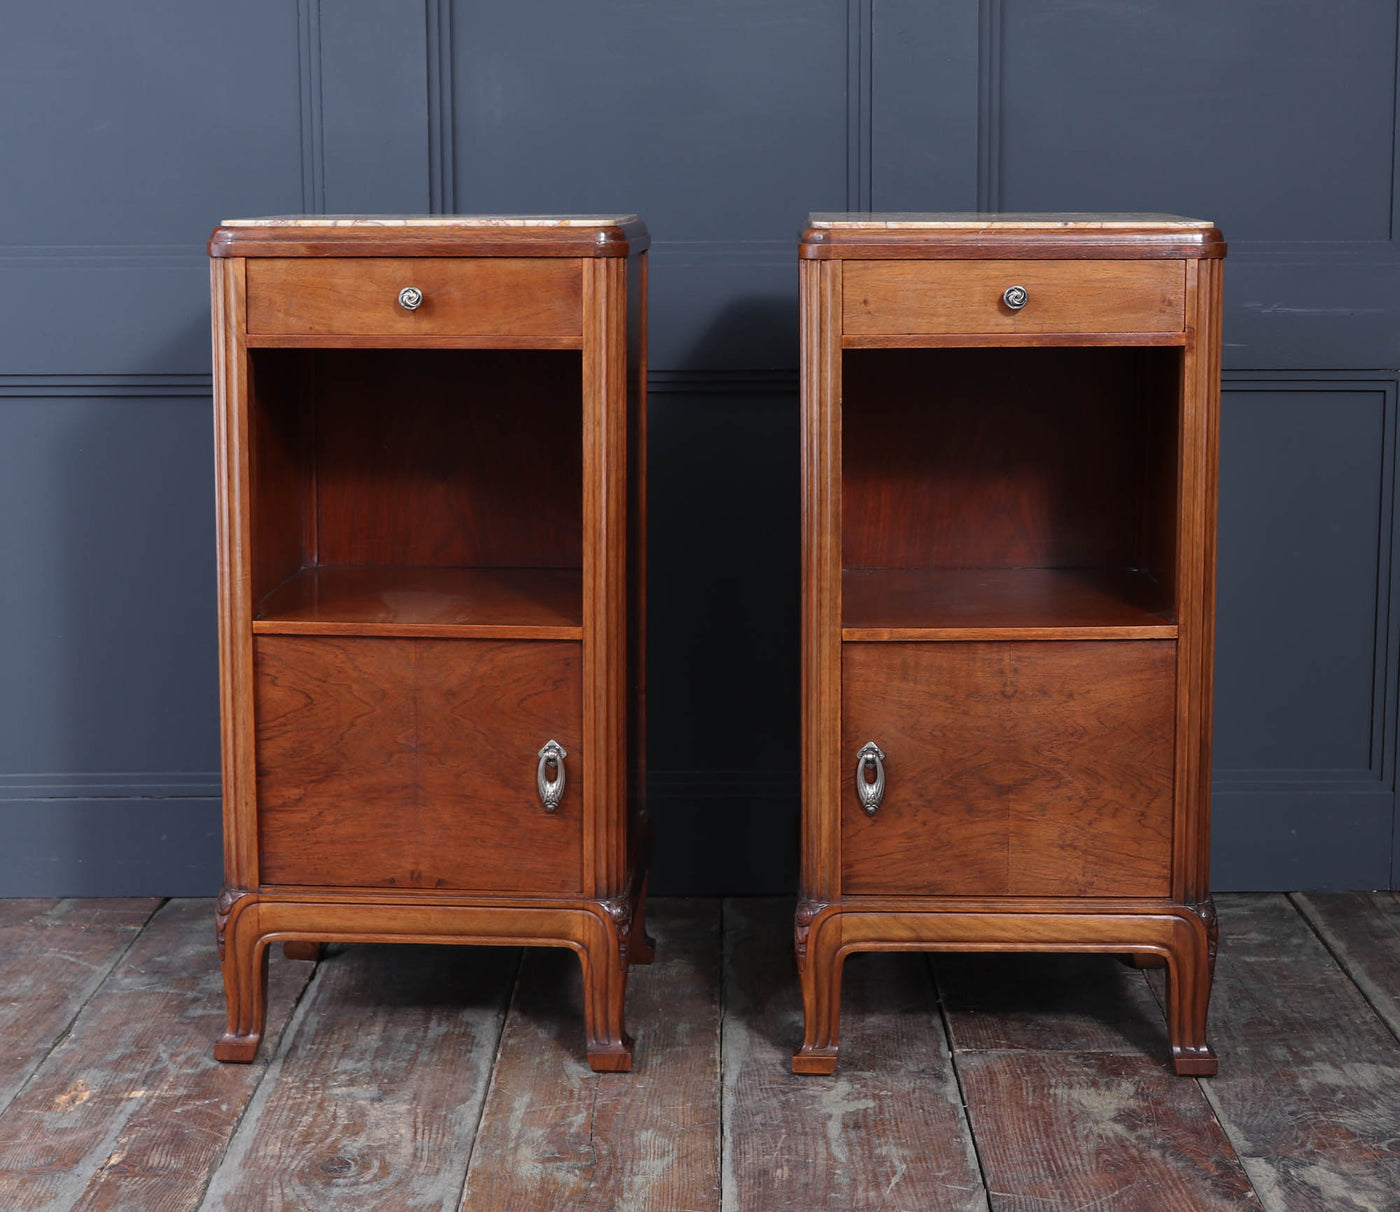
[
  {"x": 480, "y": 603},
  {"x": 1003, "y": 604}
]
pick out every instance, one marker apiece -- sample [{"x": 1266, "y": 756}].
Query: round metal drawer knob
[
  {"x": 1016, "y": 297},
  {"x": 410, "y": 298}
]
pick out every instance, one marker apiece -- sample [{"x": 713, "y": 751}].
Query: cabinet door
[
  {"x": 413, "y": 763},
  {"x": 1020, "y": 769}
]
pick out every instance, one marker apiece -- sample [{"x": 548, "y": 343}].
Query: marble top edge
[
  {"x": 432, "y": 221},
  {"x": 982, "y": 220}
]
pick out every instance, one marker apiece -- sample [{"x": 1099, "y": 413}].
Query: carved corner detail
[
  {"x": 802, "y": 926},
  {"x": 619, "y": 908},
  {"x": 228, "y": 897},
  {"x": 1205, "y": 910}
]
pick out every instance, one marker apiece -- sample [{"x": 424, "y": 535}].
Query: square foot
[
  {"x": 820, "y": 1063},
  {"x": 238, "y": 1049}
]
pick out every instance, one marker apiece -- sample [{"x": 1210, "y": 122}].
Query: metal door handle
[
  {"x": 870, "y": 793},
  {"x": 551, "y": 791}
]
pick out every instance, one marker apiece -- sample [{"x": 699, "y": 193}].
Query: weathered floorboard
[
  {"x": 555, "y": 1135},
  {"x": 1097, "y": 1130},
  {"x": 374, "y": 1099},
  {"x": 1063, "y": 1065},
  {"x": 131, "y": 1110},
  {"x": 1362, "y": 930},
  {"x": 53, "y": 954},
  {"x": 886, "y": 1131},
  {"x": 1309, "y": 1084}
]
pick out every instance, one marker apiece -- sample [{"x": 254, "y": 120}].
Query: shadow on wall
[{"x": 723, "y": 599}]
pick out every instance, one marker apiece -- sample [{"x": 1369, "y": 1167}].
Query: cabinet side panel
[
  {"x": 605, "y": 574},
  {"x": 822, "y": 756},
  {"x": 637, "y": 536},
  {"x": 1200, "y": 402},
  {"x": 233, "y": 522}
]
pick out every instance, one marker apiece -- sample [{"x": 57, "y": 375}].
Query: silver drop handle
[{"x": 551, "y": 792}]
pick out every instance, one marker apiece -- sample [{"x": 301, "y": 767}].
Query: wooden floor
[{"x": 444, "y": 1078}]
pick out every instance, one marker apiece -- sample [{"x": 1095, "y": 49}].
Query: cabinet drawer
[
  {"x": 910, "y": 297},
  {"x": 359, "y": 296},
  {"x": 413, "y": 763},
  {"x": 1011, "y": 769}
]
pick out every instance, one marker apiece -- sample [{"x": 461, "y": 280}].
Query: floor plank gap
[{"x": 957, "y": 1076}]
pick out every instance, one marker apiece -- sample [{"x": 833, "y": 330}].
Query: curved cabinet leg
[
  {"x": 604, "y": 957},
  {"x": 245, "y": 980},
  {"x": 302, "y": 949},
  {"x": 1190, "y": 969},
  {"x": 819, "y": 964},
  {"x": 641, "y": 947}
]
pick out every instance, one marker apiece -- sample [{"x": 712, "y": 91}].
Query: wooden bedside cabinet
[
  {"x": 431, "y": 439},
  {"x": 1009, "y": 497}
]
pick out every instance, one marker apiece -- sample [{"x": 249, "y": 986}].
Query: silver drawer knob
[
  {"x": 410, "y": 298},
  {"x": 1015, "y": 297}
]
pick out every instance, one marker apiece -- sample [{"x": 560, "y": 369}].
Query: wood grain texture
[
  {"x": 412, "y": 763},
  {"x": 966, "y": 297},
  {"x": 1011, "y": 769},
  {"x": 554, "y": 1136},
  {"x": 1003, "y": 604},
  {"x": 1309, "y": 1085},
  {"x": 606, "y": 682},
  {"x": 821, "y": 580},
  {"x": 1003, "y": 458},
  {"x": 482, "y": 603},
  {"x": 1097, "y": 1131},
  {"x": 129, "y": 1111},
  {"x": 1362, "y": 931},
  {"x": 374, "y": 1100},
  {"x": 424, "y": 457},
  {"x": 53, "y": 955},
  {"x": 466, "y": 296},
  {"x": 888, "y": 1133}
]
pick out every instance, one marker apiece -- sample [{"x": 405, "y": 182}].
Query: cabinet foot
[
  {"x": 301, "y": 949},
  {"x": 237, "y": 1049},
  {"x": 604, "y": 953},
  {"x": 244, "y": 956},
  {"x": 816, "y": 941},
  {"x": 1198, "y": 1061},
  {"x": 814, "y": 1061}
]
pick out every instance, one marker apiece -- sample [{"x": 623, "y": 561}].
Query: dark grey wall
[{"x": 128, "y": 128}]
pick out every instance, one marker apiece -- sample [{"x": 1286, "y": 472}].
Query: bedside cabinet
[
  {"x": 431, "y": 439},
  {"x": 1009, "y": 496}
]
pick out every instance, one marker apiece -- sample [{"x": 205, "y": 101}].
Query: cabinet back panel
[
  {"x": 1002, "y": 458},
  {"x": 412, "y": 763},
  {"x": 1019, "y": 769},
  {"x": 426, "y": 457}
]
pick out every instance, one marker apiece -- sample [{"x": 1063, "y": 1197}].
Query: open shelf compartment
[
  {"x": 1025, "y": 493},
  {"x": 417, "y": 492}
]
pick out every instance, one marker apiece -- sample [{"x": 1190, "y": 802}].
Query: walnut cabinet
[
  {"x": 431, "y": 494},
  {"x": 1009, "y": 497}
]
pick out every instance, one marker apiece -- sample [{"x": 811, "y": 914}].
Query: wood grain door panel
[
  {"x": 906, "y": 297},
  {"x": 462, "y": 296},
  {"x": 1018, "y": 769},
  {"x": 412, "y": 763}
]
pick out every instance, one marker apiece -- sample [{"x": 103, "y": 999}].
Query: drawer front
[
  {"x": 1011, "y": 769},
  {"x": 414, "y": 763},
  {"x": 911, "y": 297},
  {"x": 459, "y": 297}
]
